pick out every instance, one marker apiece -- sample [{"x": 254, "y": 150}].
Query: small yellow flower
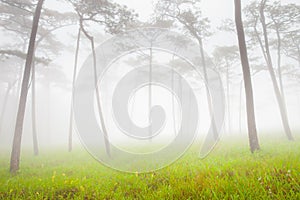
[
  {"x": 53, "y": 176},
  {"x": 82, "y": 188},
  {"x": 136, "y": 174}
]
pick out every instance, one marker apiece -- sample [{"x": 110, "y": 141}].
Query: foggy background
[{"x": 53, "y": 86}]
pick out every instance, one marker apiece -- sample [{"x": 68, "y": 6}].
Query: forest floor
[{"x": 229, "y": 172}]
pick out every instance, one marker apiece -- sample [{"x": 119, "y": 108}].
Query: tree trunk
[
  {"x": 107, "y": 145},
  {"x": 5, "y": 101},
  {"x": 150, "y": 91},
  {"x": 16, "y": 149},
  {"x": 173, "y": 102},
  {"x": 73, "y": 90},
  {"x": 279, "y": 69},
  {"x": 240, "y": 108},
  {"x": 279, "y": 97},
  {"x": 228, "y": 96},
  {"x": 252, "y": 132},
  {"x": 98, "y": 98},
  {"x": 33, "y": 112},
  {"x": 209, "y": 101},
  {"x": 279, "y": 63},
  {"x": 47, "y": 117}
]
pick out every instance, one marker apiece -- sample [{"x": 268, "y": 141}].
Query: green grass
[{"x": 229, "y": 172}]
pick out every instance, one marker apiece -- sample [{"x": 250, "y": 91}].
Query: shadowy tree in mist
[
  {"x": 228, "y": 26},
  {"x": 225, "y": 57},
  {"x": 188, "y": 16},
  {"x": 70, "y": 138},
  {"x": 285, "y": 22},
  {"x": 50, "y": 22},
  {"x": 10, "y": 61},
  {"x": 115, "y": 19},
  {"x": 256, "y": 14},
  {"x": 17, "y": 17},
  {"x": 291, "y": 45},
  {"x": 252, "y": 132},
  {"x": 10, "y": 85},
  {"x": 147, "y": 58},
  {"x": 283, "y": 18},
  {"x": 16, "y": 149}
]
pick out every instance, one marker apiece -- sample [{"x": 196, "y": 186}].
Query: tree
[
  {"x": 252, "y": 132},
  {"x": 33, "y": 112},
  {"x": 279, "y": 96},
  {"x": 16, "y": 149},
  {"x": 73, "y": 90},
  {"x": 10, "y": 75},
  {"x": 10, "y": 86},
  {"x": 291, "y": 45},
  {"x": 50, "y": 22},
  {"x": 284, "y": 20},
  {"x": 256, "y": 14},
  {"x": 16, "y": 17},
  {"x": 225, "y": 57},
  {"x": 115, "y": 18},
  {"x": 189, "y": 16}
]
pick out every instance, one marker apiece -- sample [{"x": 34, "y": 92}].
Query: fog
[{"x": 54, "y": 85}]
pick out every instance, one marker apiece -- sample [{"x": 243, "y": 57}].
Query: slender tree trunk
[
  {"x": 5, "y": 101},
  {"x": 180, "y": 88},
  {"x": 73, "y": 90},
  {"x": 70, "y": 138},
  {"x": 279, "y": 63},
  {"x": 33, "y": 112},
  {"x": 150, "y": 91},
  {"x": 279, "y": 97},
  {"x": 279, "y": 69},
  {"x": 132, "y": 108},
  {"x": 190, "y": 108},
  {"x": 98, "y": 98},
  {"x": 240, "y": 108},
  {"x": 48, "y": 111},
  {"x": 228, "y": 96},
  {"x": 209, "y": 101},
  {"x": 16, "y": 149},
  {"x": 19, "y": 86},
  {"x": 252, "y": 132},
  {"x": 173, "y": 102}
]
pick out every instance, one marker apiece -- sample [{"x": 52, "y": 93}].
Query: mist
[
  {"x": 54, "y": 85},
  {"x": 151, "y": 99}
]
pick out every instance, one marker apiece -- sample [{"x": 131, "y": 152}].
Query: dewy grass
[{"x": 229, "y": 172}]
